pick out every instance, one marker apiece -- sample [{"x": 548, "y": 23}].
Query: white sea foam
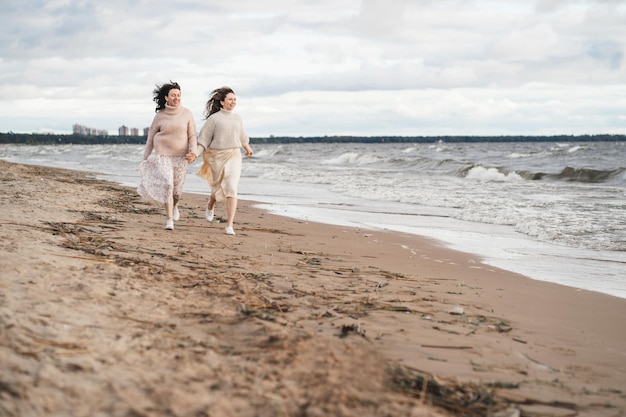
[
  {"x": 491, "y": 174},
  {"x": 351, "y": 158}
]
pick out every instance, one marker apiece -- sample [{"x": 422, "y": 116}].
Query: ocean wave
[
  {"x": 516, "y": 155},
  {"x": 269, "y": 152},
  {"x": 265, "y": 153},
  {"x": 352, "y": 158},
  {"x": 587, "y": 175},
  {"x": 482, "y": 173},
  {"x": 570, "y": 174}
]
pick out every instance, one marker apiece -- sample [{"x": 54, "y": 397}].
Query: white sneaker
[
  {"x": 176, "y": 214},
  {"x": 209, "y": 215},
  {"x": 169, "y": 225},
  {"x": 230, "y": 231}
]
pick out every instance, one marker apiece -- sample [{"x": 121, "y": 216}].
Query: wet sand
[{"x": 105, "y": 313}]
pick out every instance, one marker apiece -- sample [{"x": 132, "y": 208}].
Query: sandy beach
[{"x": 105, "y": 313}]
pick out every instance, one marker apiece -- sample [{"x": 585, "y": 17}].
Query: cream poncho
[{"x": 222, "y": 130}]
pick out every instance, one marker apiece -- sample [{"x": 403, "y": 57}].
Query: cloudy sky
[{"x": 320, "y": 67}]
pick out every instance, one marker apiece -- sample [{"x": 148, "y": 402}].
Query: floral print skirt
[{"x": 161, "y": 177}]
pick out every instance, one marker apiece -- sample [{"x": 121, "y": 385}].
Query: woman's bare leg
[
  {"x": 211, "y": 204},
  {"x": 231, "y": 209},
  {"x": 169, "y": 209}
]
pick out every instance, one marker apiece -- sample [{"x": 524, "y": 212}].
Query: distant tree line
[
  {"x": 51, "y": 139},
  {"x": 433, "y": 139}
]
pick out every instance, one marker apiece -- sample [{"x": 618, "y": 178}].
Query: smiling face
[
  {"x": 173, "y": 97},
  {"x": 229, "y": 102}
]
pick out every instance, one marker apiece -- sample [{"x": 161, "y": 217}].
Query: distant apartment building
[
  {"x": 145, "y": 131},
  {"x": 131, "y": 131},
  {"x": 88, "y": 131}
]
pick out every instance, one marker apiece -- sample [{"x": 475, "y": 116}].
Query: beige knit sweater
[
  {"x": 172, "y": 133},
  {"x": 222, "y": 130}
]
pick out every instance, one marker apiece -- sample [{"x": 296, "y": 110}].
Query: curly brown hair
[{"x": 161, "y": 91}]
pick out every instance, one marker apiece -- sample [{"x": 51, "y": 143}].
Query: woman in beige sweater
[
  {"x": 220, "y": 141},
  {"x": 172, "y": 137}
]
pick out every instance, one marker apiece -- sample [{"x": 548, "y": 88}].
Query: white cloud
[{"x": 379, "y": 67}]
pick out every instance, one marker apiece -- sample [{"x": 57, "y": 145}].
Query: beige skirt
[{"x": 222, "y": 170}]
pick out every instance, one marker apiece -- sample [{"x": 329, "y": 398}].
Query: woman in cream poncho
[{"x": 220, "y": 141}]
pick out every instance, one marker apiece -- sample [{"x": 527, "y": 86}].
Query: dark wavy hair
[
  {"x": 161, "y": 91},
  {"x": 214, "y": 104}
]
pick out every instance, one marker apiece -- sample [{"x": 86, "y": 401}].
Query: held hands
[
  {"x": 248, "y": 150},
  {"x": 191, "y": 157}
]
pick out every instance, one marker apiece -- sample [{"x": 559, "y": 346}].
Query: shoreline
[
  {"x": 516, "y": 253},
  {"x": 98, "y": 301},
  {"x": 499, "y": 245}
]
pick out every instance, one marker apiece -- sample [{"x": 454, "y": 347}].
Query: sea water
[{"x": 551, "y": 211}]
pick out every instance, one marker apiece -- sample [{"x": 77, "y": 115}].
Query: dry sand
[{"x": 105, "y": 313}]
